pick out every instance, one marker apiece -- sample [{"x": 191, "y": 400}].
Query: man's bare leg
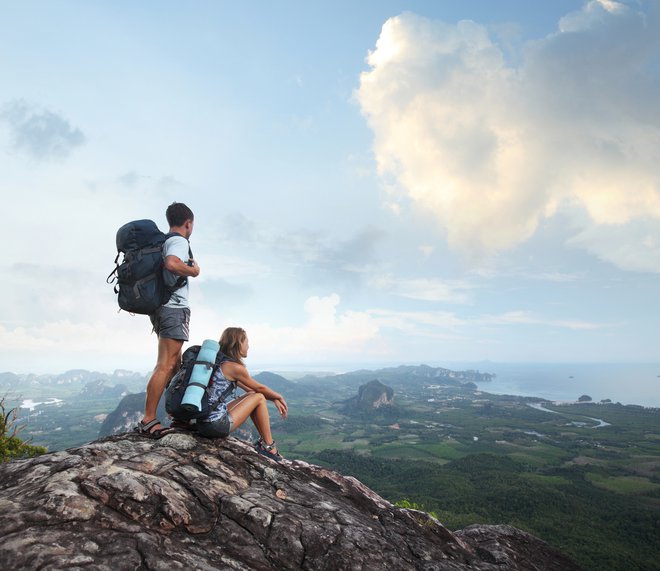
[{"x": 168, "y": 362}]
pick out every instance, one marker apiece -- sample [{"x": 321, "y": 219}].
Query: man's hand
[
  {"x": 194, "y": 266},
  {"x": 180, "y": 268}
]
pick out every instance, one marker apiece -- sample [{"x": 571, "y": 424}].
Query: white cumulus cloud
[
  {"x": 491, "y": 148},
  {"x": 326, "y": 334}
]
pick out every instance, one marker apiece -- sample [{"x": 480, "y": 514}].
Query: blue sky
[{"x": 373, "y": 182}]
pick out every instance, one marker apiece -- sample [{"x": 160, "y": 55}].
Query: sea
[{"x": 629, "y": 383}]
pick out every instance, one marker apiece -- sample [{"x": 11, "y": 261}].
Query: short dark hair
[{"x": 177, "y": 213}]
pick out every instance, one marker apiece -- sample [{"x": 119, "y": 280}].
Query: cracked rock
[{"x": 185, "y": 502}]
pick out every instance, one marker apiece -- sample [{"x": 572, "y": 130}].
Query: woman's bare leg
[{"x": 255, "y": 406}]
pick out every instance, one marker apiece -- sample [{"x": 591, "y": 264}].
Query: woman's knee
[
  {"x": 254, "y": 398},
  {"x": 247, "y": 403}
]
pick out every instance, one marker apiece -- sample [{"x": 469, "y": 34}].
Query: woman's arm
[{"x": 239, "y": 374}]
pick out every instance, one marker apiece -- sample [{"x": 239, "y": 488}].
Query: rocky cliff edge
[{"x": 184, "y": 502}]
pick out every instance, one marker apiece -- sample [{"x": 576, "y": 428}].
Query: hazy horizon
[
  {"x": 628, "y": 383},
  {"x": 341, "y": 367}
]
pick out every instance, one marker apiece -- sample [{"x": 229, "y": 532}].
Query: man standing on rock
[{"x": 171, "y": 321}]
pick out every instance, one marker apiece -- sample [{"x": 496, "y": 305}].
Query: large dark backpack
[
  {"x": 177, "y": 386},
  {"x": 139, "y": 281}
]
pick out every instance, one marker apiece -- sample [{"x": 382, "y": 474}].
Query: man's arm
[{"x": 178, "y": 267}]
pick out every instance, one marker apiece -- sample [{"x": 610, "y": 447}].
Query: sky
[{"x": 373, "y": 182}]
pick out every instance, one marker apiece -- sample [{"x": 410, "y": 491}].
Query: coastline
[{"x": 628, "y": 384}]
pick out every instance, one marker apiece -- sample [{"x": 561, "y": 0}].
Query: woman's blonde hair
[{"x": 230, "y": 343}]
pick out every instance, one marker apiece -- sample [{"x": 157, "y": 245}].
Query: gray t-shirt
[{"x": 176, "y": 246}]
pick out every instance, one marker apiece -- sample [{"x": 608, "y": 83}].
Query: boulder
[{"x": 184, "y": 502}]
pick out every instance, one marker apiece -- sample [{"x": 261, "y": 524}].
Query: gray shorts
[
  {"x": 171, "y": 322},
  {"x": 219, "y": 428}
]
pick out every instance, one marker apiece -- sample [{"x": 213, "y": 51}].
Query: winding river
[{"x": 539, "y": 406}]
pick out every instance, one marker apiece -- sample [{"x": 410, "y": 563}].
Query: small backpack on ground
[
  {"x": 139, "y": 281},
  {"x": 177, "y": 386}
]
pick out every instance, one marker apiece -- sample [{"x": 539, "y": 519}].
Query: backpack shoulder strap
[
  {"x": 182, "y": 280},
  {"x": 172, "y": 234},
  {"x": 221, "y": 358}
]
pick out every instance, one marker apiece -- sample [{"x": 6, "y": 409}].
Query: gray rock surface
[{"x": 183, "y": 502}]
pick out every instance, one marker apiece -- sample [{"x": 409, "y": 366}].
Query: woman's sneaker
[{"x": 267, "y": 450}]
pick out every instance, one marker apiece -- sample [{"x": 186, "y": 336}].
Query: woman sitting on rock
[{"x": 229, "y": 415}]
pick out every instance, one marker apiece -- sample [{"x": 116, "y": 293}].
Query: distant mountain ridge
[
  {"x": 99, "y": 389},
  {"x": 72, "y": 377},
  {"x": 404, "y": 376},
  {"x": 130, "y": 378},
  {"x": 426, "y": 371},
  {"x": 274, "y": 381}
]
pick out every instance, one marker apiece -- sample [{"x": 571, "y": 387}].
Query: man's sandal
[
  {"x": 267, "y": 450},
  {"x": 146, "y": 429}
]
